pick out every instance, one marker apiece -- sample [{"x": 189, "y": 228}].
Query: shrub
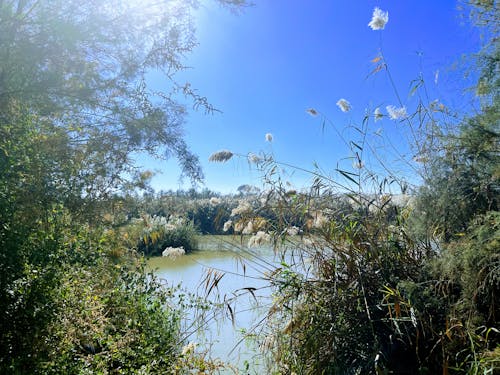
[
  {"x": 155, "y": 233},
  {"x": 457, "y": 299},
  {"x": 82, "y": 303}
]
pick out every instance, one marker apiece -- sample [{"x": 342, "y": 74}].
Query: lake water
[{"x": 223, "y": 255}]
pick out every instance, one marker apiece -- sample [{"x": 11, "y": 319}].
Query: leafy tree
[
  {"x": 464, "y": 176},
  {"x": 84, "y": 68}
]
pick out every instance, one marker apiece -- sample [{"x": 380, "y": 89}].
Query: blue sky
[{"x": 265, "y": 67}]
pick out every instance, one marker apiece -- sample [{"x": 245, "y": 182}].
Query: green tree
[
  {"x": 83, "y": 67},
  {"x": 464, "y": 176}
]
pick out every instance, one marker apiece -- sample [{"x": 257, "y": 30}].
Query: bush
[
  {"x": 154, "y": 234},
  {"x": 455, "y": 301},
  {"x": 82, "y": 303},
  {"x": 113, "y": 319}
]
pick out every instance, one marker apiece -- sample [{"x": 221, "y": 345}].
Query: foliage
[
  {"x": 123, "y": 320},
  {"x": 84, "y": 303},
  {"x": 374, "y": 287},
  {"x": 80, "y": 302},
  {"x": 362, "y": 294},
  {"x": 471, "y": 264},
  {"x": 209, "y": 217},
  {"x": 151, "y": 235},
  {"x": 464, "y": 176},
  {"x": 456, "y": 300},
  {"x": 330, "y": 317}
]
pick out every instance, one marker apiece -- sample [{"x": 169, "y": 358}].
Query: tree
[
  {"x": 464, "y": 175},
  {"x": 83, "y": 67}
]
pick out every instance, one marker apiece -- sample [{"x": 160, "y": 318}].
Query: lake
[{"x": 241, "y": 268}]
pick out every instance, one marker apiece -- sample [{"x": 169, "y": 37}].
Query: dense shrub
[
  {"x": 456, "y": 300},
  {"x": 154, "y": 234},
  {"x": 83, "y": 303}
]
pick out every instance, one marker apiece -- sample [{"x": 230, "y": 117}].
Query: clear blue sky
[{"x": 265, "y": 67}]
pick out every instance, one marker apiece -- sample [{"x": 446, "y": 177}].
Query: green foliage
[
  {"x": 464, "y": 178},
  {"x": 122, "y": 323},
  {"x": 83, "y": 68},
  {"x": 456, "y": 300},
  {"x": 472, "y": 264},
  {"x": 154, "y": 234},
  {"x": 365, "y": 296},
  {"x": 208, "y": 217},
  {"x": 79, "y": 303}
]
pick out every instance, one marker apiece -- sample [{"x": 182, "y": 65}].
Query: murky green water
[{"x": 223, "y": 255}]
